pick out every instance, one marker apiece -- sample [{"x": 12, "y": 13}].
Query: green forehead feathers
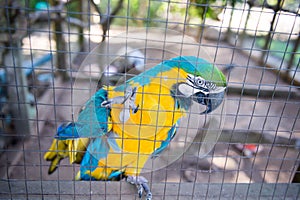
[{"x": 199, "y": 67}]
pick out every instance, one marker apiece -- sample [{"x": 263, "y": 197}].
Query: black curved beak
[{"x": 211, "y": 99}]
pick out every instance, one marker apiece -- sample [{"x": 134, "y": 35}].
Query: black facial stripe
[
  {"x": 210, "y": 85},
  {"x": 190, "y": 80},
  {"x": 194, "y": 85},
  {"x": 203, "y": 89},
  {"x": 206, "y": 87}
]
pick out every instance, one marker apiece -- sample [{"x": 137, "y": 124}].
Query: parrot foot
[
  {"x": 141, "y": 184},
  {"x": 127, "y": 100}
]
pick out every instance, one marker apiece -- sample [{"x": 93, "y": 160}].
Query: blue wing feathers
[
  {"x": 164, "y": 144},
  {"x": 66, "y": 131},
  {"x": 92, "y": 123},
  {"x": 97, "y": 150},
  {"x": 92, "y": 120}
]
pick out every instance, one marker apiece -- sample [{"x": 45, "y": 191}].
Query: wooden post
[
  {"x": 17, "y": 89},
  {"x": 243, "y": 35},
  {"x": 61, "y": 49},
  {"x": 16, "y": 82},
  {"x": 83, "y": 8},
  {"x": 270, "y": 34},
  {"x": 229, "y": 32}
]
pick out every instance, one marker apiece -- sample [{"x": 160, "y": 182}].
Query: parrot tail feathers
[
  {"x": 77, "y": 148},
  {"x": 78, "y": 176},
  {"x": 60, "y": 149},
  {"x": 54, "y": 164},
  {"x": 55, "y": 154},
  {"x": 164, "y": 144}
]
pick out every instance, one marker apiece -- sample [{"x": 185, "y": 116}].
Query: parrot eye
[{"x": 200, "y": 82}]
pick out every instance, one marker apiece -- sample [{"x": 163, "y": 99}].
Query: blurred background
[{"x": 56, "y": 53}]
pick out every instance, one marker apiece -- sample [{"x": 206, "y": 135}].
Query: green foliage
[
  {"x": 281, "y": 49},
  {"x": 73, "y": 9},
  {"x": 154, "y": 13},
  {"x": 33, "y": 4},
  {"x": 140, "y": 13},
  {"x": 203, "y": 8},
  {"x": 210, "y": 8},
  {"x": 292, "y": 5},
  {"x": 233, "y": 2}
]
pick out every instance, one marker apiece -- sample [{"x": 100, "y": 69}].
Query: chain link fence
[{"x": 56, "y": 54}]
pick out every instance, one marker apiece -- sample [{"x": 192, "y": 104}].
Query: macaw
[{"x": 121, "y": 127}]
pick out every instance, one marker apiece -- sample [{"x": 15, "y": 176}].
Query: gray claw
[
  {"x": 106, "y": 103},
  {"x": 147, "y": 191},
  {"x": 128, "y": 100},
  {"x": 135, "y": 109},
  {"x": 141, "y": 184},
  {"x": 133, "y": 92},
  {"x": 140, "y": 190}
]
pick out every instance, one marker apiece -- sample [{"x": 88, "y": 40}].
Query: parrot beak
[{"x": 211, "y": 99}]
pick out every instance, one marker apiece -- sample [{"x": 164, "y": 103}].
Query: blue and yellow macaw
[{"x": 121, "y": 127}]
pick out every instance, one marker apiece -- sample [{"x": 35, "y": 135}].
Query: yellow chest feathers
[{"x": 157, "y": 111}]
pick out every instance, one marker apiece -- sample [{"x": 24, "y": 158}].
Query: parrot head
[
  {"x": 204, "y": 83},
  {"x": 189, "y": 77}
]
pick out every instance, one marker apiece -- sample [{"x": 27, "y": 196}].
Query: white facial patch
[
  {"x": 187, "y": 90},
  {"x": 196, "y": 84}
]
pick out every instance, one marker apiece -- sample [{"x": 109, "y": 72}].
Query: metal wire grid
[{"x": 261, "y": 108}]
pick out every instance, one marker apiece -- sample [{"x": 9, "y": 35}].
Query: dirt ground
[{"x": 274, "y": 116}]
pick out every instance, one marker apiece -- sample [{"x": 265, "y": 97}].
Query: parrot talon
[
  {"x": 133, "y": 91},
  {"x": 134, "y": 110},
  {"x": 129, "y": 97},
  {"x": 106, "y": 103},
  {"x": 132, "y": 105},
  {"x": 140, "y": 190},
  {"x": 141, "y": 184},
  {"x": 147, "y": 190},
  {"x": 128, "y": 100},
  {"x": 126, "y": 97}
]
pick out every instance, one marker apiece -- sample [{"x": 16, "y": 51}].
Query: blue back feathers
[{"x": 92, "y": 120}]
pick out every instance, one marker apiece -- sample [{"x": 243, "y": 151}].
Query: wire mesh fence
[{"x": 183, "y": 99}]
